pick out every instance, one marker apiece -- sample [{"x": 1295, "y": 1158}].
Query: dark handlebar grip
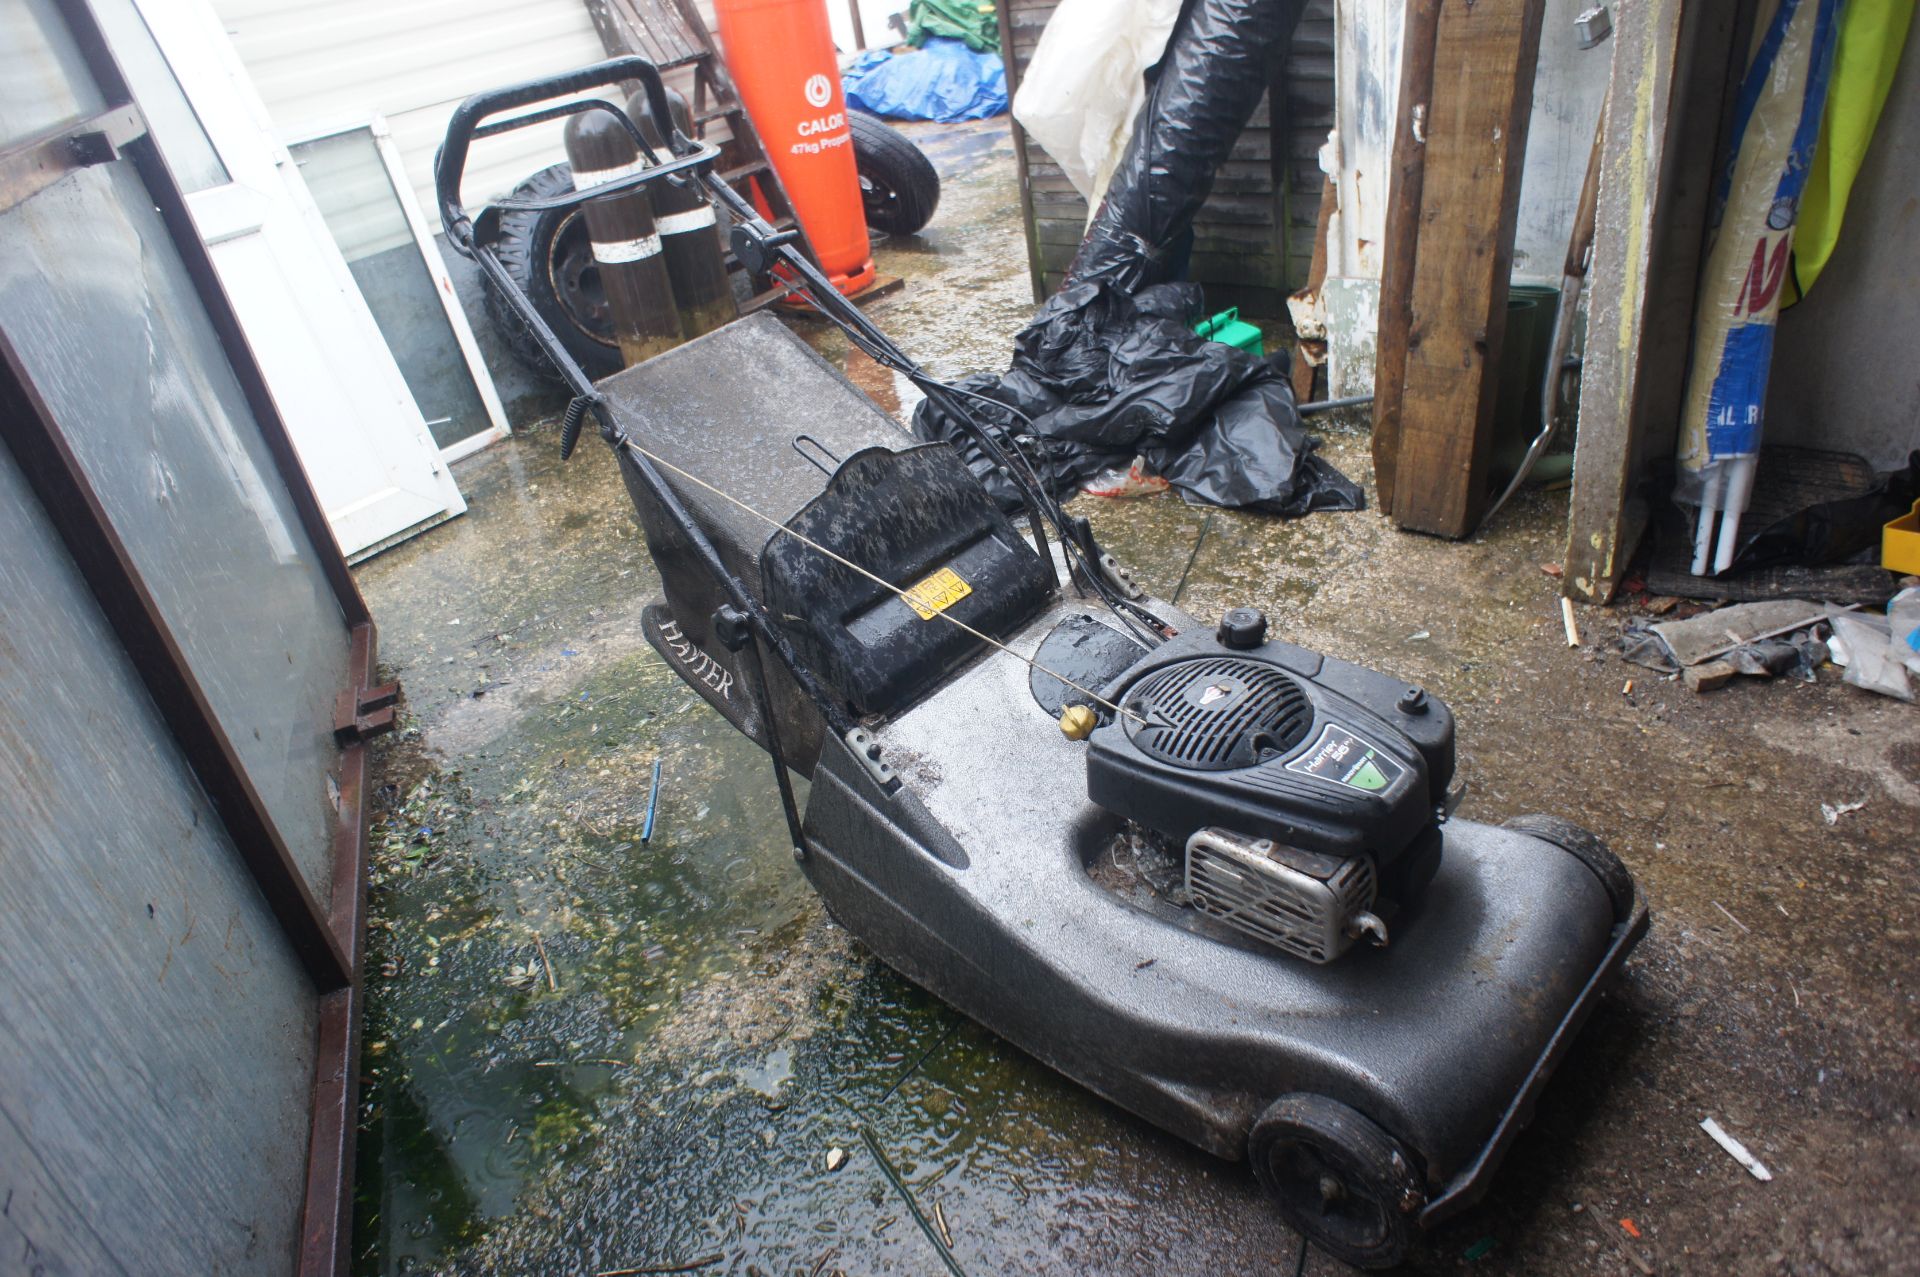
[
  {"x": 450, "y": 165},
  {"x": 571, "y": 423}
]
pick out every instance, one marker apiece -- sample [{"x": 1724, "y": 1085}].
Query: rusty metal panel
[
  {"x": 156, "y": 1031},
  {"x": 106, "y": 323}
]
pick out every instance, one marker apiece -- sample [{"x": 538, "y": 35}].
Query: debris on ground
[
  {"x": 1873, "y": 656},
  {"x": 1126, "y": 482},
  {"x": 658, "y": 1270},
  {"x": 1641, "y": 1265},
  {"x": 1639, "y": 645},
  {"x": 1777, "y": 638},
  {"x": 1566, "y": 619},
  {"x": 1711, "y": 676},
  {"x": 1101, "y": 376},
  {"x": 1833, "y": 811},
  {"x": 836, "y": 1158},
  {"x": 1736, "y": 1149},
  {"x": 942, "y": 1247},
  {"x": 1712, "y": 634},
  {"x": 1730, "y": 918},
  {"x": 653, "y": 803}
]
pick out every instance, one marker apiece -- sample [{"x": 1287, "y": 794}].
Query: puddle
[
  {"x": 767, "y": 1077},
  {"x": 530, "y": 945}
]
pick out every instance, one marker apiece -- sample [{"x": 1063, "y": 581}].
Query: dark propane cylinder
[
  {"x": 625, "y": 238},
  {"x": 689, "y": 231}
]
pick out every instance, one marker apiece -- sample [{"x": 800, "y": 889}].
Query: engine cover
[{"x": 1273, "y": 742}]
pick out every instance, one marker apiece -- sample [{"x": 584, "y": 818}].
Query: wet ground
[{"x": 591, "y": 1052}]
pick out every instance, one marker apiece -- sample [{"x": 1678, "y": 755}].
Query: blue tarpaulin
[{"x": 944, "y": 81}]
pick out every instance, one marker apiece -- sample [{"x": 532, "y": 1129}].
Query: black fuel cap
[{"x": 1243, "y": 628}]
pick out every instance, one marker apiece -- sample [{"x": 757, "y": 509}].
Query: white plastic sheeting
[{"x": 1085, "y": 83}]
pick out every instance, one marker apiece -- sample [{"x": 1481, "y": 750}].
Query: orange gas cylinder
[{"x": 781, "y": 56}]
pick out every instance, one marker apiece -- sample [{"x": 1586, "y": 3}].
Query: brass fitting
[{"x": 1077, "y": 722}]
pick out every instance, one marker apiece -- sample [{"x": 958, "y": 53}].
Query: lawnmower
[{"x": 1206, "y": 873}]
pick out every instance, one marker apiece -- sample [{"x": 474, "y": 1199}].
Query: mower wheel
[
  {"x": 1338, "y": 1178},
  {"x": 898, "y": 185},
  {"x": 1590, "y": 850},
  {"x": 550, "y": 257}
]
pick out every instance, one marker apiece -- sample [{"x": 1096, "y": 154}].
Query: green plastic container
[{"x": 1228, "y": 327}]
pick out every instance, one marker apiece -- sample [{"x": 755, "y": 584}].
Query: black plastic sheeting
[
  {"x": 1100, "y": 376},
  {"x": 1222, "y": 56},
  {"x": 1110, "y": 368}
]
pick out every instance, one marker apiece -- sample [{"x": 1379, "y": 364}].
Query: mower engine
[{"x": 1307, "y": 791}]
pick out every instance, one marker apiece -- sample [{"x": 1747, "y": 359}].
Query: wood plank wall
[{"x": 1254, "y": 239}]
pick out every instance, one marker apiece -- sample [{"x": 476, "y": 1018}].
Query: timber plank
[
  {"x": 1401, "y": 238},
  {"x": 1672, "y": 71},
  {"x": 1455, "y": 300}
]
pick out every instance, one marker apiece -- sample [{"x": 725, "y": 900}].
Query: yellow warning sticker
[{"x": 937, "y": 593}]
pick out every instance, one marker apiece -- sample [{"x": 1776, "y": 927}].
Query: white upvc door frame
[
  {"x": 350, "y": 415},
  {"x": 423, "y": 237}
]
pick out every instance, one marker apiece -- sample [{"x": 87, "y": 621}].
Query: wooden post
[
  {"x": 1443, "y": 321},
  {"x": 1003, "y": 11},
  {"x": 1397, "y": 253},
  {"x": 1302, "y": 377},
  {"x": 1672, "y": 60}
]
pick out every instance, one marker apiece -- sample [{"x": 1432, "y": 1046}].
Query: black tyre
[
  {"x": 1338, "y": 1178},
  {"x": 1589, "y": 849},
  {"x": 897, "y": 183},
  {"x": 550, "y": 257}
]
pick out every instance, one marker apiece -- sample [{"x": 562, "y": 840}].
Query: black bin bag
[
  {"x": 1109, "y": 368},
  {"x": 1100, "y": 377},
  {"x": 1219, "y": 60}
]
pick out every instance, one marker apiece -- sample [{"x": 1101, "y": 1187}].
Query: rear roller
[{"x": 1589, "y": 849}]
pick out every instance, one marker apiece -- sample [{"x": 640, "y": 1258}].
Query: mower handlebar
[{"x": 470, "y": 121}]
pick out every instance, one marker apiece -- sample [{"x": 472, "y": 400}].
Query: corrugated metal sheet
[{"x": 327, "y": 66}]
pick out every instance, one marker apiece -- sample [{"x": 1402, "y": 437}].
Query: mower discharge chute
[{"x": 1206, "y": 873}]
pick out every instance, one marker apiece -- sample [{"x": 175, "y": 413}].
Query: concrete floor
[{"x": 587, "y": 1053}]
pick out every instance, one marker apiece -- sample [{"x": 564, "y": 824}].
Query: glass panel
[
  {"x": 101, "y": 311},
  {"x": 138, "y": 949},
  {"x": 43, "y": 78},
  {"x": 349, "y": 182},
  {"x": 175, "y": 126}
]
